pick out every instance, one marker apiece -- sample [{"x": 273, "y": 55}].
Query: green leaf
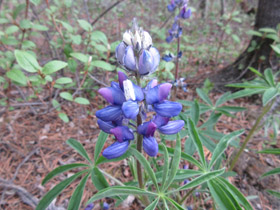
[
  {"x": 195, "y": 112},
  {"x": 219, "y": 196},
  {"x": 256, "y": 72},
  {"x": 175, "y": 204},
  {"x": 63, "y": 80},
  {"x": 175, "y": 162},
  {"x": 82, "y": 101},
  {"x": 153, "y": 205},
  {"x": 269, "y": 77},
  {"x": 243, "y": 93},
  {"x": 55, "y": 191},
  {"x": 222, "y": 145},
  {"x": 63, "y": 117},
  {"x": 62, "y": 169},
  {"x": 66, "y": 96},
  {"x": 36, "y": 2},
  {"x": 119, "y": 190},
  {"x": 79, "y": 148},
  {"x": 99, "y": 144},
  {"x": 103, "y": 65},
  {"x": 40, "y": 27},
  {"x": 18, "y": 76},
  {"x": 235, "y": 38},
  {"x": 275, "y": 151},
  {"x": 204, "y": 96},
  {"x": 80, "y": 56},
  {"x": 231, "y": 109},
  {"x": 145, "y": 164},
  {"x": 76, "y": 197},
  {"x": 165, "y": 166},
  {"x": 99, "y": 36},
  {"x": 268, "y": 30},
  {"x": 212, "y": 120},
  {"x": 269, "y": 94},
  {"x": 222, "y": 99},
  {"x": 53, "y": 66},
  {"x": 189, "y": 146},
  {"x": 85, "y": 25},
  {"x": 254, "y": 33},
  {"x": 271, "y": 172},
  {"x": 98, "y": 179},
  {"x": 274, "y": 193},
  {"x": 201, "y": 179},
  {"x": 25, "y": 24},
  {"x": 27, "y": 61},
  {"x": 236, "y": 193},
  {"x": 276, "y": 48},
  {"x": 11, "y": 29},
  {"x": 194, "y": 135},
  {"x": 17, "y": 10}
]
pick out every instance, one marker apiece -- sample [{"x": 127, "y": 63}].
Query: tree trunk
[{"x": 268, "y": 16}]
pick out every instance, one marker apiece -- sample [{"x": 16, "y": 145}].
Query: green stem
[{"x": 265, "y": 110}]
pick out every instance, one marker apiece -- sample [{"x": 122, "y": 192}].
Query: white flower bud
[
  {"x": 147, "y": 39},
  {"x": 127, "y": 38},
  {"x": 137, "y": 40},
  {"x": 128, "y": 90}
]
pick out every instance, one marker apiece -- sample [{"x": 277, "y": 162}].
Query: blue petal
[
  {"x": 122, "y": 133},
  {"x": 168, "y": 108},
  {"x": 156, "y": 56},
  {"x": 115, "y": 150},
  {"x": 138, "y": 92},
  {"x": 150, "y": 146},
  {"x": 89, "y": 206},
  {"x": 109, "y": 113},
  {"x": 147, "y": 128},
  {"x": 113, "y": 95},
  {"x": 130, "y": 109},
  {"x": 158, "y": 93},
  {"x": 129, "y": 59},
  {"x": 172, "y": 127},
  {"x": 105, "y": 126},
  {"x": 146, "y": 62},
  {"x": 120, "y": 50},
  {"x": 169, "y": 39},
  {"x": 160, "y": 120},
  {"x": 122, "y": 77}
]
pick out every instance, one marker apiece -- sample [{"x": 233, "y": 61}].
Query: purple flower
[
  {"x": 115, "y": 150},
  {"x": 172, "y": 127},
  {"x": 89, "y": 206},
  {"x": 105, "y": 206},
  {"x": 185, "y": 13},
  {"x": 147, "y": 128},
  {"x": 158, "y": 93},
  {"x": 168, "y": 108},
  {"x": 122, "y": 133},
  {"x": 109, "y": 113},
  {"x": 129, "y": 59},
  {"x": 150, "y": 146},
  {"x": 167, "y": 57}
]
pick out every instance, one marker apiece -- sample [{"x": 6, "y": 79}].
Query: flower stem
[{"x": 264, "y": 111}]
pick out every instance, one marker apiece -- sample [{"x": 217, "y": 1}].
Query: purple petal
[
  {"x": 172, "y": 127},
  {"x": 168, "y": 108},
  {"x": 122, "y": 77},
  {"x": 156, "y": 57},
  {"x": 171, "y": 7},
  {"x": 122, "y": 133},
  {"x": 109, "y": 113},
  {"x": 158, "y": 93},
  {"x": 146, "y": 62},
  {"x": 105, "y": 126},
  {"x": 138, "y": 92},
  {"x": 169, "y": 39},
  {"x": 89, "y": 206},
  {"x": 160, "y": 120},
  {"x": 150, "y": 146},
  {"x": 187, "y": 14},
  {"x": 113, "y": 95},
  {"x": 130, "y": 109},
  {"x": 129, "y": 59},
  {"x": 115, "y": 150},
  {"x": 105, "y": 206},
  {"x": 147, "y": 128},
  {"x": 120, "y": 50}
]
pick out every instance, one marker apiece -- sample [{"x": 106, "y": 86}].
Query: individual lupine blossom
[
  {"x": 136, "y": 53},
  {"x": 185, "y": 13},
  {"x": 105, "y": 206},
  {"x": 126, "y": 99},
  {"x": 89, "y": 206},
  {"x": 170, "y": 57}
]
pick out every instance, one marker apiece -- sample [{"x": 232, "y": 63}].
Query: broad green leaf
[
  {"x": 63, "y": 117},
  {"x": 79, "y": 148},
  {"x": 98, "y": 179},
  {"x": 153, "y": 205},
  {"x": 11, "y": 29},
  {"x": 118, "y": 191},
  {"x": 99, "y": 36},
  {"x": 76, "y": 197},
  {"x": 275, "y": 151},
  {"x": 274, "y": 193},
  {"x": 17, "y": 10},
  {"x": 236, "y": 193},
  {"x": 222, "y": 145},
  {"x": 55, "y": 191},
  {"x": 66, "y": 25},
  {"x": 220, "y": 197},
  {"x": 194, "y": 135},
  {"x": 80, "y": 56},
  {"x": 85, "y": 25},
  {"x": 268, "y": 30},
  {"x": 276, "y": 48},
  {"x": 103, "y": 65},
  {"x": 195, "y": 112},
  {"x": 40, "y": 27},
  {"x": 165, "y": 166},
  {"x": 269, "y": 94},
  {"x": 222, "y": 99},
  {"x": 18, "y": 76},
  {"x": 27, "y": 61},
  {"x": 62, "y": 169},
  {"x": 175, "y": 204},
  {"x": 63, "y": 80},
  {"x": 66, "y": 96},
  {"x": 235, "y": 38},
  {"x": 81, "y": 100},
  {"x": 204, "y": 96},
  {"x": 145, "y": 164},
  {"x": 53, "y": 66},
  {"x": 254, "y": 33},
  {"x": 99, "y": 144},
  {"x": 25, "y": 24},
  {"x": 175, "y": 162},
  {"x": 200, "y": 180},
  {"x": 269, "y": 77},
  {"x": 271, "y": 172}
]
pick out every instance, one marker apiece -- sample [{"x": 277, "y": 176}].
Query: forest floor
[{"x": 33, "y": 145}]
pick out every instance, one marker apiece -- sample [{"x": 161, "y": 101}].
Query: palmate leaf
[
  {"x": 99, "y": 144},
  {"x": 55, "y": 191},
  {"x": 62, "y": 169},
  {"x": 204, "y": 96},
  {"x": 269, "y": 77},
  {"x": 145, "y": 164},
  {"x": 79, "y": 148},
  {"x": 153, "y": 205},
  {"x": 195, "y": 112},
  {"x": 76, "y": 197},
  {"x": 271, "y": 172},
  {"x": 98, "y": 179},
  {"x": 269, "y": 94},
  {"x": 246, "y": 92},
  {"x": 222, "y": 99},
  {"x": 175, "y": 204},
  {"x": 118, "y": 191}
]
